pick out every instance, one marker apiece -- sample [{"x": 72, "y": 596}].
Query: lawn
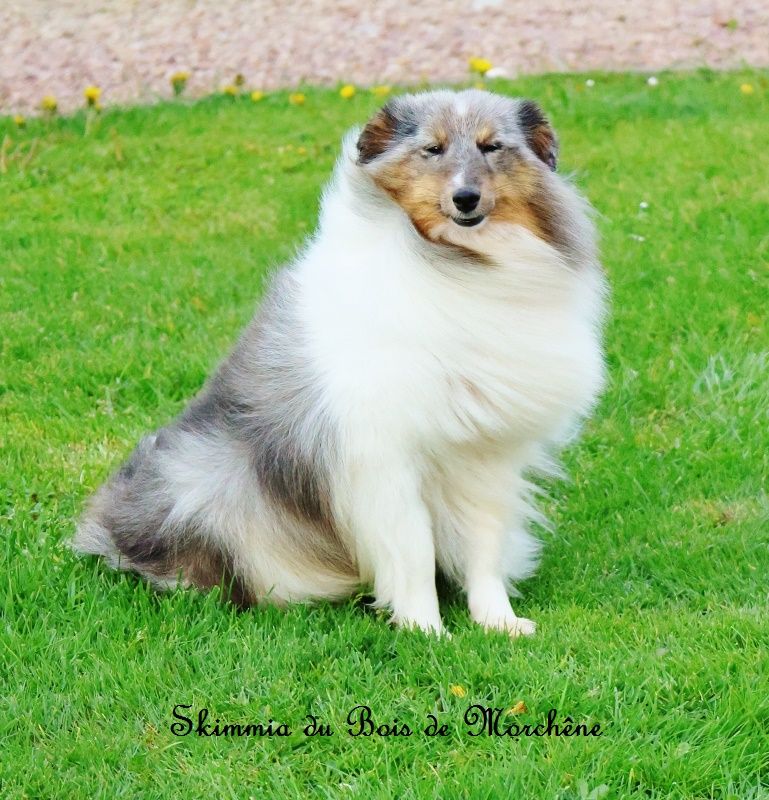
[{"x": 130, "y": 256}]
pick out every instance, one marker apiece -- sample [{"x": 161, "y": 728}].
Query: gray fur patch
[
  {"x": 127, "y": 521},
  {"x": 264, "y": 398}
]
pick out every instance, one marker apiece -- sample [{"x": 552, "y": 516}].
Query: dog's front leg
[
  {"x": 393, "y": 534},
  {"x": 487, "y": 596},
  {"x": 487, "y": 506}
]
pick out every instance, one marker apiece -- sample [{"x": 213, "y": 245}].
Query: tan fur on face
[
  {"x": 517, "y": 196},
  {"x": 516, "y": 193},
  {"x": 417, "y": 193}
]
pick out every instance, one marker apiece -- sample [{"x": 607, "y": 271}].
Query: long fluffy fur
[{"x": 381, "y": 412}]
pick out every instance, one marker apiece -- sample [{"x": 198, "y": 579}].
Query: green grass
[{"x": 129, "y": 259}]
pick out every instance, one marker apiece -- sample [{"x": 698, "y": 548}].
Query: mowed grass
[{"x": 130, "y": 257}]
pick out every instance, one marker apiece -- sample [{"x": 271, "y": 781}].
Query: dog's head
[{"x": 461, "y": 160}]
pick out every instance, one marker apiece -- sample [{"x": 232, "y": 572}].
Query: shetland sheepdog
[{"x": 382, "y": 416}]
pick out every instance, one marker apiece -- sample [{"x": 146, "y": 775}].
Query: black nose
[{"x": 466, "y": 199}]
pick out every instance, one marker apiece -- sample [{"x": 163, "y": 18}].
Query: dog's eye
[
  {"x": 434, "y": 149},
  {"x": 489, "y": 148}
]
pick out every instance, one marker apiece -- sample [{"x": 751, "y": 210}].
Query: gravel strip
[{"x": 130, "y": 47}]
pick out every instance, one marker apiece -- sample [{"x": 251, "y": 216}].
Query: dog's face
[{"x": 461, "y": 160}]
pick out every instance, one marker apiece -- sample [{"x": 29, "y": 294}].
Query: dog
[{"x": 435, "y": 343}]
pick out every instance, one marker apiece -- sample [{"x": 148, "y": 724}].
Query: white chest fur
[{"x": 409, "y": 349}]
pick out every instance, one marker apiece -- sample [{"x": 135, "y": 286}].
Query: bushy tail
[
  {"x": 129, "y": 523},
  {"x": 99, "y": 531}
]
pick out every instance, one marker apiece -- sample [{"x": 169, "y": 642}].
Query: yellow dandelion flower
[
  {"x": 381, "y": 91},
  {"x": 747, "y": 88},
  {"x": 20, "y": 121},
  {"x": 457, "y": 690},
  {"x": 92, "y": 95},
  {"x": 296, "y": 99},
  {"x": 49, "y": 104},
  {"x": 302, "y": 151},
  {"x": 479, "y": 65},
  {"x": 347, "y": 91},
  {"x": 518, "y": 708},
  {"x": 256, "y": 96},
  {"x": 479, "y": 85},
  {"x": 230, "y": 90},
  {"x": 179, "y": 81}
]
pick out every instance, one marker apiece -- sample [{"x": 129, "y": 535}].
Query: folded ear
[
  {"x": 391, "y": 123},
  {"x": 540, "y": 137}
]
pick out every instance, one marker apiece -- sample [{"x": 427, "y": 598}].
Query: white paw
[
  {"x": 515, "y": 626},
  {"x": 522, "y": 627},
  {"x": 490, "y": 607},
  {"x": 431, "y": 627}
]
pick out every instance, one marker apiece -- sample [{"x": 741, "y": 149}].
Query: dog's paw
[
  {"x": 438, "y": 633},
  {"x": 514, "y": 626},
  {"x": 521, "y": 626},
  {"x": 429, "y": 626}
]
